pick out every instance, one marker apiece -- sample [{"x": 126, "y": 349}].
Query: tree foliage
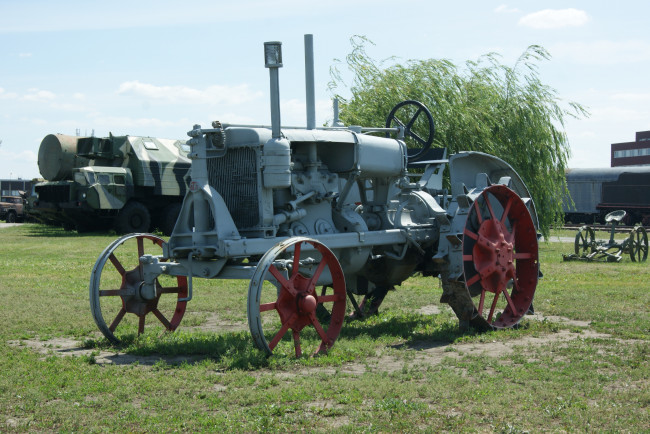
[{"x": 482, "y": 106}]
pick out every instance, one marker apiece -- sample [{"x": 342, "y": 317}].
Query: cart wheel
[
  {"x": 500, "y": 257},
  {"x": 115, "y": 290},
  {"x": 296, "y": 266},
  {"x": 638, "y": 244},
  {"x": 585, "y": 241}
]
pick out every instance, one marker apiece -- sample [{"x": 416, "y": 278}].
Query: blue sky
[{"x": 156, "y": 68}]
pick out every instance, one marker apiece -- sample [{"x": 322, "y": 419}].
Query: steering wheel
[{"x": 412, "y": 110}]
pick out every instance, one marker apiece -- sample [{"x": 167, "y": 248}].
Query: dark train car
[{"x": 596, "y": 192}]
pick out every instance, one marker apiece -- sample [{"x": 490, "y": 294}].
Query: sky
[{"x": 156, "y": 68}]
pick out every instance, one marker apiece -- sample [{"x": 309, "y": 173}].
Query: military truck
[
  {"x": 12, "y": 209},
  {"x": 129, "y": 183}
]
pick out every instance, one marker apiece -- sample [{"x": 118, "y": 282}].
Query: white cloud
[
  {"x": 38, "y": 95},
  {"x": 603, "y": 52},
  {"x": 504, "y": 9},
  {"x": 7, "y": 95},
  {"x": 25, "y": 55},
  {"x": 22, "y": 156},
  {"x": 186, "y": 95},
  {"x": 555, "y": 18},
  {"x": 632, "y": 97}
]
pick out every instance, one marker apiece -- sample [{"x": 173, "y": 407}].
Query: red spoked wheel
[
  {"x": 296, "y": 267},
  {"x": 117, "y": 289},
  {"x": 500, "y": 258}
]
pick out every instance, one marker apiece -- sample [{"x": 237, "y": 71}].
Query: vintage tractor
[{"x": 311, "y": 216}]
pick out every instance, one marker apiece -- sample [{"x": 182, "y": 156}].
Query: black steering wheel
[{"x": 412, "y": 110}]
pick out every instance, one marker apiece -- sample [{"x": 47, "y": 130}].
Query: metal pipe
[
  {"x": 309, "y": 82},
  {"x": 273, "y": 61}
]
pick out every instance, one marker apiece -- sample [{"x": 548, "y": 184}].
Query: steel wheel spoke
[
  {"x": 296, "y": 344},
  {"x": 162, "y": 319},
  {"x": 281, "y": 279},
  {"x": 489, "y": 205},
  {"x": 471, "y": 234},
  {"x": 493, "y": 307},
  {"x": 328, "y": 298},
  {"x": 281, "y": 333},
  {"x": 117, "y": 320},
  {"x": 141, "y": 324},
  {"x": 506, "y": 211},
  {"x": 116, "y": 263},
  {"x": 510, "y": 302},
  {"x": 481, "y": 303},
  {"x": 319, "y": 328},
  {"x": 316, "y": 275},
  {"x": 296, "y": 259},
  {"x": 140, "y": 253},
  {"x": 473, "y": 280},
  {"x": 268, "y": 306},
  {"x": 113, "y": 292}
]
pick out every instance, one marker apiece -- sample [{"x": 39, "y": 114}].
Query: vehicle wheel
[
  {"x": 296, "y": 265},
  {"x": 134, "y": 217},
  {"x": 585, "y": 241},
  {"x": 116, "y": 283},
  {"x": 500, "y": 257},
  {"x": 11, "y": 217},
  {"x": 638, "y": 242},
  {"x": 169, "y": 216}
]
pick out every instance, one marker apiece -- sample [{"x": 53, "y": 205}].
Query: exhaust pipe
[{"x": 309, "y": 82}]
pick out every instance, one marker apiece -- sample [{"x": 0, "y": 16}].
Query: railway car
[{"x": 596, "y": 192}]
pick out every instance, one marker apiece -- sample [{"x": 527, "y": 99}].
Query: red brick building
[{"x": 635, "y": 153}]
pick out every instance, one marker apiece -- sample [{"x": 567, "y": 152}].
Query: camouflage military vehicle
[{"x": 132, "y": 184}]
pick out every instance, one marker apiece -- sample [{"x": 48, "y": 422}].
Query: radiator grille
[
  {"x": 234, "y": 176},
  {"x": 53, "y": 193}
]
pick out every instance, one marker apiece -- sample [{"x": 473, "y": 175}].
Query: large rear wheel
[{"x": 500, "y": 260}]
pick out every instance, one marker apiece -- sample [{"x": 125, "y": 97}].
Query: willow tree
[{"x": 483, "y": 105}]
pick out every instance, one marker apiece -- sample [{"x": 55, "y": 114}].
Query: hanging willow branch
[{"x": 483, "y": 106}]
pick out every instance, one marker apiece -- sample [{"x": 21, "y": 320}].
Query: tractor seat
[{"x": 615, "y": 216}]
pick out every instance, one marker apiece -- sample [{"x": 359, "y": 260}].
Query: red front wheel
[
  {"x": 119, "y": 304},
  {"x": 296, "y": 267}
]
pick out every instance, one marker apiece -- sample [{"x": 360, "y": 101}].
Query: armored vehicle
[{"x": 130, "y": 183}]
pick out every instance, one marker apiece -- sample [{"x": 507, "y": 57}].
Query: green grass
[{"x": 398, "y": 371}]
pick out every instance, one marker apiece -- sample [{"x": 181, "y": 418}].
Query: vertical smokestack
[{"x": 309, "y": 81}]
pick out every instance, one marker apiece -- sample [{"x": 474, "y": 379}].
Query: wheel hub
[{"x": 494, "y": 256}]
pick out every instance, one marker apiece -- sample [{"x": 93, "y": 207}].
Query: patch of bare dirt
[
  {"x": 424, "y": 353},
  {"x": 430, "y": 309}
]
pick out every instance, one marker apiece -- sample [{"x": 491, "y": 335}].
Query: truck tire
[
  {"x": 133, "y": 217},
  {"x": 169, "y": 216},
  {"x": 11, "y": 217}
]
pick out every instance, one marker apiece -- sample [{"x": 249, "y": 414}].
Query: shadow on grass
[{"x": 236, "y": 350}]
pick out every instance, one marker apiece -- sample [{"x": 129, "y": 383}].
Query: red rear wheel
[{"x": 500, "y": 258}]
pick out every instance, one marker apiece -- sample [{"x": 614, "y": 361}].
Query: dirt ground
[{"x": 424, "y": 353}]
